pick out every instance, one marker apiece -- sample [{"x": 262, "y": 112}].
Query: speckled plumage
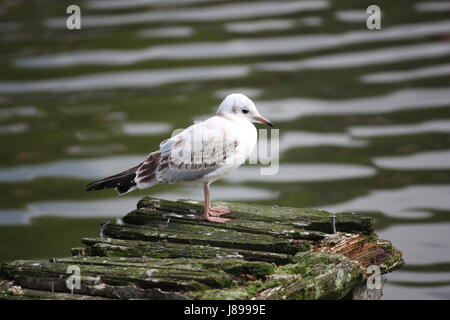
[{"x": 200, "y": 154}]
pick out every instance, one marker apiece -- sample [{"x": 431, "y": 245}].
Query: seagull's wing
[{"x": 188, "y": 156}]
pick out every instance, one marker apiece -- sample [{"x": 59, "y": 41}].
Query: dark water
[{"x": 364, "y": 116}]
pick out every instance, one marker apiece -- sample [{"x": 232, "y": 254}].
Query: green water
[{"x": 364, "y": 116}]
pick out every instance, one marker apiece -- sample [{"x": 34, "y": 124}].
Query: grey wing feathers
[
  {"x": 188, "y": 156},
  {"x": 146, "y": 172}
]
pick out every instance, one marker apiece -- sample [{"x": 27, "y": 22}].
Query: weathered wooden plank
[
  {"x": 162, "y": 250},
  {"x": 118, "y": 277},
  {"x": 8, "y": 291},
  {"x": 313, "y": 275},
  {"x": 316, "y": 275},
  {"x": 248, "y": 215},
  {"x": 45, "y": 274},
  {"x": 366, "y": 250},
  {"x": 205, "y": 235},
  {"x": 41, "y": 286},
  {"x": 170, "y": 219},
  {"x": 230, "y": 266}
]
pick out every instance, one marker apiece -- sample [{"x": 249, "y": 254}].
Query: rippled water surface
[{"x": 364, "y": 116}]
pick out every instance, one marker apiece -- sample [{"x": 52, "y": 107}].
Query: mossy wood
[{"x": 164, "y": 250}]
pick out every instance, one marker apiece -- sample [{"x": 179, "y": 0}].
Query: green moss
[
  {"x": 161, "y": 250},
  {"x": 315, "y": 275},
  {"x": 295, "y": 268},
  {"x": 394, "y": 257},
  {"x": 242, "y": 268},
  {"x": 254, "y": 287},
  {"x": 227, "y": 294},
  {"x": 305, "y": 246}
]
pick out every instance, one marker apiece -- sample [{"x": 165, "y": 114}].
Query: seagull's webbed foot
[
  {"x": 217, "y": 219},
  {"x": 218, "y": 211},
  {"x": 213, "y": 214}
]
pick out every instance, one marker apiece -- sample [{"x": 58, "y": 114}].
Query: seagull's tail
[{"x": 123, "y": 182}]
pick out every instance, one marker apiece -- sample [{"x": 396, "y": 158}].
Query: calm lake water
[{"x": 364, "y": 116}]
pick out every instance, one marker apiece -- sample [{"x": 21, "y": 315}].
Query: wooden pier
[{"x": 164, "y": 250}]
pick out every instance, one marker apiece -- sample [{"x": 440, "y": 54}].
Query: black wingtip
[
  {"x": 91, "y": 186},
  {"x": 122, "y": 181},
  {"x": 96, "y": 185}
]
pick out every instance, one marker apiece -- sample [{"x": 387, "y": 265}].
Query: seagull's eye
[{"x": 244, "y": 110}]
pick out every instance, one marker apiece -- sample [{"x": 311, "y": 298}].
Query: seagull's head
[{"x": 238, "y": 105}]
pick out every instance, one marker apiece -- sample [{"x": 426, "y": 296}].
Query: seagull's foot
[
  {"x": 218, "y": 211},
  {"x": 216, "y": 219}
]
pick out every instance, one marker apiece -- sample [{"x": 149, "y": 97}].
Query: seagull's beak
[{"x": 263, "y": 120}]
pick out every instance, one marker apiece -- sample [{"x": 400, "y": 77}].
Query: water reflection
[
  {"x": 400, "y": 129},
  {"x": 295, "y": 139},
  {"x": 399, "y": 76},
  {"x": 145, "y": 128},
  {"x": 126, "y": 79},
  {"x": 407, "y": 277},
  {"x": 250, "y": 27},
  {"x": 349, "y": 104},
  {"x": 82, "y": 169},
  {"x": 9, "y": 26},
  {"x": 421, "y": 244},
  {"x": 89, "y": 135},
  {"x": 7, "y": 112},
  {"x": 117, "y": 206},
  {"x": 353, "y": 16},
  {"x": 235, "y": 48},
  {"x": 362, "y": 58},
  {"x": 429, "y": 160},
  {"x": 249, "y": 92},
  {"x": 127, "y": 4},
  {"x": 172, "y": 32},
  {"x": 87, "y": 109},
  {"x": 261, "y": 25},
  {"x": 303, "y": 173},
  {"x": 218, "y": 12},
  {"x": 13, "y": 128},
  {"x": 101, "y": 167},
  {"x": 419, "y": 98},
  {"x": 415, "y": 292},
  {"x": 432, "y": 6},
  {"x": 95, "y": 150},
  {"x": 408, "y": 202}
]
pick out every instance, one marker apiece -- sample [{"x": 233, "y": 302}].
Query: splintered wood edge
[{"x": 366, "y": 250}]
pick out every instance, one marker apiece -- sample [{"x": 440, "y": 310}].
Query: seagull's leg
[
  {"x": 207, "y": 205},
  {"x": 219, "y": 210},
  {"x": 207, "y": 213}
]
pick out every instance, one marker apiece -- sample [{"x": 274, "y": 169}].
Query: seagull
[{"x": 200, "y": 154}]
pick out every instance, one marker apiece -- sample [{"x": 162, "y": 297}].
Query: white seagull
[{"x": 200, "y": 154}]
